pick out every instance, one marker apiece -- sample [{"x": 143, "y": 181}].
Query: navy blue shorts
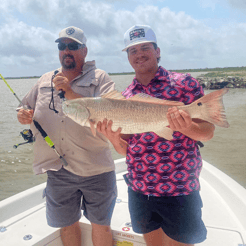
[{"x": 178, "y": 216}]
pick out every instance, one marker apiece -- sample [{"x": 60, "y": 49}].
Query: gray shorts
[{"x": 67, "y": 193}]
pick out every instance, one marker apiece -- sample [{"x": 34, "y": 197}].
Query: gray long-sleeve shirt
[{"x": 86, "y": 155}]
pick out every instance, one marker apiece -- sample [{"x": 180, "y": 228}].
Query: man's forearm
[
  {"x": 120, "y": 146},
  {"x": 199, "y": 131}
]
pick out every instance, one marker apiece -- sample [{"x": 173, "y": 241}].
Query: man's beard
[{"x": 71, "y": 65}]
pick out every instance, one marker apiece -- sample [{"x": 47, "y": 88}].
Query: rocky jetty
[{"x": 219, "y": 83}]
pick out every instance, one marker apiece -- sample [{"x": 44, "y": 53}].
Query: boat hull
[{"x": 23, "y": 219}]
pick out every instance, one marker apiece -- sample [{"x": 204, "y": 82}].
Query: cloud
[
  {"x": 239, "y": 4},
  {"x": 236, "y": 4},
  {"x": 29, "y": 27},
  {"x": 25, "y": 47}
]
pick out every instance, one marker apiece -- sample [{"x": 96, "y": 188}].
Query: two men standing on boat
[
  {"x": 90, "y": 171},
  {"x": 163, "y": 176}
]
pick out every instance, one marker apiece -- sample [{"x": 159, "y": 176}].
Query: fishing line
[
  {"x": 27, "y": 133},
  {"x": 61, "y": 94},
  {"x": 52, "y": 94}
]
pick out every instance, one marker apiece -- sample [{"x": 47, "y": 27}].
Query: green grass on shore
[
  {"x": 209, "y": 72},
  {"x": 218, "y": 72},
  {"x": 26, "y": 77},
  {"x": 216, "y": 69}
]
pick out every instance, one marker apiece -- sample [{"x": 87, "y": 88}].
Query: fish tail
[{"x": 212, "y": 108}]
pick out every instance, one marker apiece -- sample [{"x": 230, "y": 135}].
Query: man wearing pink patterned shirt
[{"x": 163, "y": 176}]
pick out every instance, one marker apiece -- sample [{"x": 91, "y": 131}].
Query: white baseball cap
[
  {"x": 73, "y": 33},
  {"x": 139, "y": 34}
]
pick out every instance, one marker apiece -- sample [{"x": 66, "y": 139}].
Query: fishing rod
[
  {"x": 27, "y": 133},
  {"x": 10, "y": 88}
]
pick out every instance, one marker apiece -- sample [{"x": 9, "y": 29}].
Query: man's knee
[
  {"x": 101, "y": 228},
  {"x": 74, "y": 227},
  {"x": 71, "y": 235}
]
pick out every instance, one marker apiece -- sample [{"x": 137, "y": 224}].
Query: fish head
[{"x": 76, "y": 110}]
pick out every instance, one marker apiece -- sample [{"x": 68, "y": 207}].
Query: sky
[{"x": 190, "y": 33}]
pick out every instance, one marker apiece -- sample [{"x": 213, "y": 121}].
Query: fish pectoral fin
[
  {"x": 166, "y": 133},
  {"x": 92, "y": 126},
  {"x": 142, "y": 97}
]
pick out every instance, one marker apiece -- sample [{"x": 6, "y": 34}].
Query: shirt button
[{"x": 62, "y": 138}]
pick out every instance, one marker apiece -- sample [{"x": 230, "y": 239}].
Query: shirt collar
[
  {"x": 87, "y": 67},
  {"x": 161, "y": 75}
]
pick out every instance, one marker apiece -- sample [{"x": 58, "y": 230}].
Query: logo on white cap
[
  {"x": 73, "y": 33},
  {"x": 139, "y": 34},
  {"x": 70, "y": 31}
]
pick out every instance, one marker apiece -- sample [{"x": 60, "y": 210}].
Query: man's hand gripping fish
[{"x": 142, "y": 113}]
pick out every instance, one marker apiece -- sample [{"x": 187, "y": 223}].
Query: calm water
[{"x": 226, "y": 150}]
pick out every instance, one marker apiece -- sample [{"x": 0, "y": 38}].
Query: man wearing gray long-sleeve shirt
[{"x": 90, "y": 170}]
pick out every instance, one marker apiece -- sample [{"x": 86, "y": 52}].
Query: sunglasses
[{"x": 71, "y": 46}]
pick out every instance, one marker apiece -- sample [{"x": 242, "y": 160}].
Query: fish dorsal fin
[
  {"x": 142, "y": 97},
  {"x": 114, "y": 95}
]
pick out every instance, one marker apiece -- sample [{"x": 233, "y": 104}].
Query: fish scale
[
  {"x": 143, "y": 113},
  {"x": 132, "y": 117}
]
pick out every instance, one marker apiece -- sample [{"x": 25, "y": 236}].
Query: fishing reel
[{"x": 28, "y": 137}]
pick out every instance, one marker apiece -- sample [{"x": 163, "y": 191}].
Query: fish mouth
[{"x": 78, "y": 113}]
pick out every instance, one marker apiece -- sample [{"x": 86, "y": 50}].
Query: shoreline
[
  {"x": 209, "y": 78},
  {"x": 206, "y": 72}
]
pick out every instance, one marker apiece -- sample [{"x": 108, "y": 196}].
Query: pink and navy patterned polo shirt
[{"x": 157, "y": 166}]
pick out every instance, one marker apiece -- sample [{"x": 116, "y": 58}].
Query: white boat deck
[{"x": 23, "y": 215}]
